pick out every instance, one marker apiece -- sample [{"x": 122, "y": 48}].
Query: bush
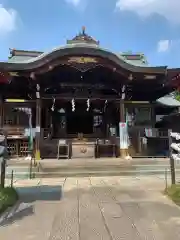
[
  {"x": 174, "y": 193},
  {"x": 8, "y": 197}
]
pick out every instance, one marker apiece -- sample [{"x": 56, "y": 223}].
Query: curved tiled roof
[
  {"x": 78, "y": 49},
  {"x": 169, "y": 100}
]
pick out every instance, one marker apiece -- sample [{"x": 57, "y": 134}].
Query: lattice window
[
  {"x": 12, "y": 149},
  {"x": 23, "y": 149},
  {"x": 8, "y": 121}
]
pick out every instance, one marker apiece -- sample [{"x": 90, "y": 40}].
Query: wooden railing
[
  {"x": 156, "y": 132},
  {"x": 17, "y": 143}
]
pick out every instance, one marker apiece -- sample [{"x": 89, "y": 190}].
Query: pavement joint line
[
  {"x": 132, "y": 221},
  {"x": 102, "y": 215},
  {"x": 129, "y": 217}
]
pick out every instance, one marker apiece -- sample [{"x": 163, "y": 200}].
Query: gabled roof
[
  {"x": 28, "y": 62},
  {"x": 136, "y": 59},
  {"x": 16, "y": 59},
  {"x": 80, "y": 45},
  {"x": 22, "y": 55}
]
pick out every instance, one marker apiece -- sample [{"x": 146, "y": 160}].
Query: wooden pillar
[
  {"x": 122, "y": 112},
  {"x": 153, "y": 115},
  {"x": 47, "y": 118},
  {"x": 1, "y": 113},
  {"x": 38, "y": 123},
  {"x": 122, "y": 126},
  {"x": 123, "y": 151}
]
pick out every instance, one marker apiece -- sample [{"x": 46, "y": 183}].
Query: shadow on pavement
[{"x": 28, "y": 196}]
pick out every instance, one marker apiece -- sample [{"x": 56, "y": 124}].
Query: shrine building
[{"x": 79, "y": 96}]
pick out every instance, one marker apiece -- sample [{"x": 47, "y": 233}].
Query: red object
[
  {"x": 4, "y": 77},
  {"x": 123, "y": 124}
]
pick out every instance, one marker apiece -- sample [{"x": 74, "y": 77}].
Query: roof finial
[{"x": 83, "y": 30}]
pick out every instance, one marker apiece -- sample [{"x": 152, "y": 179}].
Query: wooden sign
[
  {"x": 13, "y": 74},
  {"x": 82, "y": 60}
]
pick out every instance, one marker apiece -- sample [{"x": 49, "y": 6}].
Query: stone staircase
[
  {"x": 100, "y": 167},
  {"x": 21, "y": 170},
  {"x": 53, "y": 168}
]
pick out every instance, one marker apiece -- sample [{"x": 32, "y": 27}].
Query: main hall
[{"x": 82, "y": 100}]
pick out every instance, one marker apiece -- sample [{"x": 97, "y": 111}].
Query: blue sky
[{"x": 148, "y": 26}]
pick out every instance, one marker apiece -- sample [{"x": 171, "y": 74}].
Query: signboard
[
  {"x": 2, "y": 138},
  {"x": 112, "y": 131},
  {"x": 27, "y": 132},
  {"x": 150, "y": 132},
  {"x": 38, "y": 129},
  {"x": 62, "y": 142},
  {"x": 82, "y": 60},
  {"x": 123, "y": 132}
]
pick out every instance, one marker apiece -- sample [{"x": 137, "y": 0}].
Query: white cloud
[
  {"x": 74, "y": 2},
  {"x": 8, "y": 19},
  {"x": 80, "y": 5},
  {"x": 163, "y": 45},
  {"x": 169, "y": 9}
]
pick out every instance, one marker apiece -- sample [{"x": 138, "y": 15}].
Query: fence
[
  {"x": 17, "y": 142},
  {"x": 17, "y": 148},
  {"x": 154, "y": 145}
]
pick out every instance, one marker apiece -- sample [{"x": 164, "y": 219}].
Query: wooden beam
[
  {"x": 68, "y": 97},
  {"x": 1, "y": 112},
  {"x": 64, "y": 62}
]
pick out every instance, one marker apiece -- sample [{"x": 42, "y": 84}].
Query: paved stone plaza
[{"x": 107, "y": 208}]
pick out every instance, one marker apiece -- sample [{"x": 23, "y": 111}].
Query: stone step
[
  {"x": 83, "y": 167},
  {"x": 24, "y": 173},
  {"x": 91, "y": 173},
  {"x": 102, "y": 168}
]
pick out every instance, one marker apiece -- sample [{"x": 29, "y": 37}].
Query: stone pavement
[{"x": 92, "y": 208}]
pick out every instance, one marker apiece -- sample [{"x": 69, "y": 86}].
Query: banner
[{"x": 123, "y": 133}]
